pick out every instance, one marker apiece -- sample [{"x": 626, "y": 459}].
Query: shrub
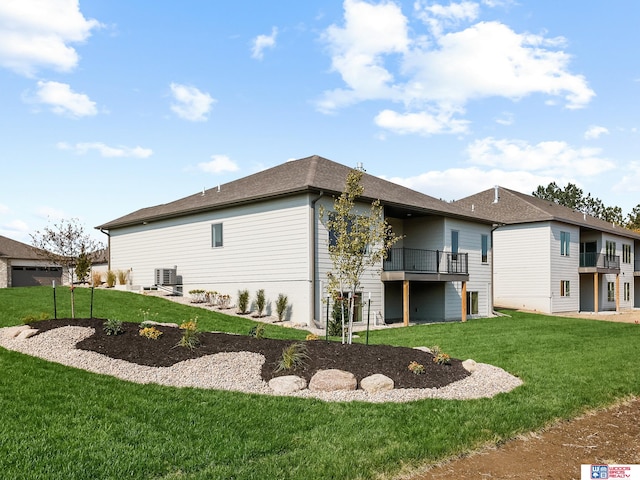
[
  {"x": 257, "y": 331},
  {"x": 96, "y": 279},
  {"x": 312, "y": 336},
  {"x": 260, "y": 302},
  {"x": 111, "y": 278},
  {"x": 147, "y": 315},
  {"x": 211, "y": 297},
  {"x": 335, "y": 323},
  {"x": 442, "y": 359},
  {"x": 243, "y": 301},
  {"x": 416, "y": 368},
  {"x": 190, "y": 335},
  {"x": 112, "y": 326},
  {"x": 292, "y": 357},
  {"x": 224, "y": 301},
  {"x": 150, "y": 332},
  {"x": 122, "y": 277},
  {"x": 35, "y": 318},
  {"x": 198, "y": 296},
  {"x": 281, "y": 306}
]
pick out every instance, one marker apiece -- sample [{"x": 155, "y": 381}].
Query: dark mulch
[{"x": 361, "y": 360}]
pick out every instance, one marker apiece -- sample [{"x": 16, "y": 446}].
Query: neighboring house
[
  {"x": 22, "y": 266},
  {"x": 550, "y": 258},
  {"x": 263, "y": 232}
]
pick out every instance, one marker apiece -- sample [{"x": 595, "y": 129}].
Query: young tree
[
  {"x": 64, "y": 244},
  {"x": 358, "y": 240}
]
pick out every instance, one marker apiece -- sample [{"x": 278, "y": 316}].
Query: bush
[
  {"x": 257, "y": 331},
  {"x": 122, "y": 277},
  {"x": 190, "y": 335},
  {"x": 243, "y": 301},
  {"x": 112, "y": 326},
  {"x": 439, "y": 356},
  {"x": 260, "y": 302},
  {"x": 150, "y": 332},
  {"x": 281, "y": 306},
  {"x": 35, "y": 318},
  {"x": 111, "y": 278},
  {"x": 198, "y": 296},
  {"x": 312, "y": 336},
  {"x": 416, "y": 368},
  {"x": 335, "y": 323},
  {"x": 96, "y": 279},
  {"x": 292, "y": 357}
]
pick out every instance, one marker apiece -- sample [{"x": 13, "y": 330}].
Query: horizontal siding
[{"x": 565, "y": 267}]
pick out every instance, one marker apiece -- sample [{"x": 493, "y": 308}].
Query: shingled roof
[
  {"x": 13, "y": 249},
  {"x": 514, "y": 207},
  {"x": 311, "y": 174}
]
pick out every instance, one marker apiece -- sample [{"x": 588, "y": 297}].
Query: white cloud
[
  {"x": 595, "y": 131},
  {"x": 107, "y": 151},
  {"x": 261, "y": 42},
  {"x": 422, "y": 123},
  {"x": 445, "y": 66},
  {"x": 630, "y": 182},
  {"x": 16, "y": 229},
  {"x": 4, "y": 209},
  {"x": 218, "y": 164},
  {"x": 64, "y": 101},
  {"x": 37, "y": 34},
  {"x": 191, "y": 104},
  {"x": 549, "y": 158}
]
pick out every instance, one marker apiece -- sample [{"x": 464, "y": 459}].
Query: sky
[{"x": 109, "y": 106}]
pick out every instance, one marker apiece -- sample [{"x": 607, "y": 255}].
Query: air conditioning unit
[{"x": 166, "y": 276}]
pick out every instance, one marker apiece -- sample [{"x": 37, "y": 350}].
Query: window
[
  {"x": 472, "y": 303},
  {"x": 565, "y": 288},
  {"x": 627, "y": 291},
  {"x": 626, "y": 253},
  {"x": 485, "y": 248},
  {"x": 216, "y": 235},
  {"x": 565, "y": 240},
  {"x": 610, "y": 249},
  {"x": 611, "y": 292},
  {"x": 454, "y": 244}
]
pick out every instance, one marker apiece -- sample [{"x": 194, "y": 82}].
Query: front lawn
[{"x": 62, "y": 423}]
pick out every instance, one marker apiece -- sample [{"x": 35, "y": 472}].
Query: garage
[{"x": 30, "y": 276}]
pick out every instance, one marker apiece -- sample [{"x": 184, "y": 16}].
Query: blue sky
[{"x": 109, "y": 106}]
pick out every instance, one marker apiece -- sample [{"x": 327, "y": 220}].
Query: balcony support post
[
  {"x": 596, "y": 290},
  {"x": 464, "y": 301},
  {"x": 617, "y": 292},
  {"x": 405, "y": 303}
]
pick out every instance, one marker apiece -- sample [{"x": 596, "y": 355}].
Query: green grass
[{"x": 61, "y": 423}]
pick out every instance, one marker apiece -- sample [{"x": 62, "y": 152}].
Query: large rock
[
  {"x": 423, "y": 349},
  {"x": 332, "y": 380},
  {"x": 29, "y": 332},
  {"x": 287, "y": 384},
  {"x": 470, "y": 365},
  {"x": 13, "y": 332},
  {"x": 376, "y": 383}
]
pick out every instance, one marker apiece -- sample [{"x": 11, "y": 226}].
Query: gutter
[
  {"x": 314, "y": 251},
  {"x": 108, "y": 247}
]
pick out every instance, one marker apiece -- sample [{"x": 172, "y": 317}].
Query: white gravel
[{"x": 235, "y": 371}]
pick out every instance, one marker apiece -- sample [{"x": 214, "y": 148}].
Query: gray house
[
  {"x": 263, "y": 232},
  {"x": 22, "y": 266},
  {"x": 550, "y": 258}
]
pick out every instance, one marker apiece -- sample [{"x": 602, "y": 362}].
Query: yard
[{"x": 59, "y": 422}]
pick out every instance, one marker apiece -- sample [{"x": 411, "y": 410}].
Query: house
[
  {"x": 263, "y": 232},
  {"x": 22, "y": 266},
  {"x": 550, "y": 258}
]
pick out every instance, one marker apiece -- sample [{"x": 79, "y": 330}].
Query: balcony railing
[
  {"x": 599, "y": 260},
  {"x": 425, "y": 261}
]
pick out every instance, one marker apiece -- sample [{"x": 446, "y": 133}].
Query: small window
[
  {"x": 485, "y": 248},
  {"x": 626, "y": 253},
  {"x": 565, "y": 241},
  {"x": 627, "y": 291},
  {"x": 454, "y": 244},
  {"x": 610, "y": 249},
  {"x": 216, "y": 235},
  {"x": 472, "y": 303},
  {"x": 565, "y": 288},
  {"x": 611, "y": 291}
]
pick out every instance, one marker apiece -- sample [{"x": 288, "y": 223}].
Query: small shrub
[
  {"x": 292, "y": 357},
  {"x": 150, "y": 332},
  {"x": 96, "y": 279},
  {"x": 257, "y": 331},
  {"x": 211, "y": 297},
  {"x": 122, "y": 277},
  {"x": 35, "y": 318},
  {"x": 243, "y": 301},
  {"x": 312, "y": 336},
  {"x": 198, "y": 296},
  {"x": 442, "y": 359},
  {"x": 281, "y": 306},
  {"x": 224, "y": 301},
  {"x": 260, "y": 302},
  {"x": 112, "y": 326},
  {"x": 147, "y": 315},
  {"x": 190, "y": 335},
  {"x": 111, "y": 278},
  {"x": 416, "y": 368}
]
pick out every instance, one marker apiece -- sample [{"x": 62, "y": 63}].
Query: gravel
[{"x": 235, "y": 371}]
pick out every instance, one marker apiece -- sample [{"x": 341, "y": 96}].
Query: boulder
[
  {"x": 29, "y": 332},
  {"x": 159, "y": 324},
  {"x": 423, "y": 349},
  {"x": 470, "y": 365},
  {"x": 13, "y": 332},
  {"x": 376, "y": 383},
  {"x": 332, "y": 380},
  {"x": 287, "y": 384}
]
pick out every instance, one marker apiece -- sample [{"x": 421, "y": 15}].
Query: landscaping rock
[
  {"x": 161, "y": 324},
  {"x": 470, "y": 365},
  {"x": 423, "y": 349},
  {"x": 331, "y": 380},
  {"x": 376, "y": 383},
  {"x": 287, "y": 384},
  {"x": 13, "y": 332},
  {"x": 29, "y": 332}
]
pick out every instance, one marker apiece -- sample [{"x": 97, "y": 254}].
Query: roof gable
[{"x": 13, "y": 249}]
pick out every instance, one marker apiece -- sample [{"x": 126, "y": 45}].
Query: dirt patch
[{"x": 609, "y": 436}]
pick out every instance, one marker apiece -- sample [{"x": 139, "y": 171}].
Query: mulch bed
[{"x": 361, "y": 360}]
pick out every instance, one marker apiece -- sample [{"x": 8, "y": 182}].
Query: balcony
[
  {"x": 439, "y": 265},
  {"x": 597, "y": 262}
]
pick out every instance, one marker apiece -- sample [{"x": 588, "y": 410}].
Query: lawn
[{"x": 62, "y": 423}]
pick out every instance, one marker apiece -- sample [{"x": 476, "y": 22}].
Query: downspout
[
  {"x": 314, "y": 251},
  {"x": 494, "y": 227},
  {"x": 108, "y": 248}
]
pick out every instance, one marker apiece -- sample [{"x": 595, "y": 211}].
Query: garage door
[{"x": 34, "y": 276}]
